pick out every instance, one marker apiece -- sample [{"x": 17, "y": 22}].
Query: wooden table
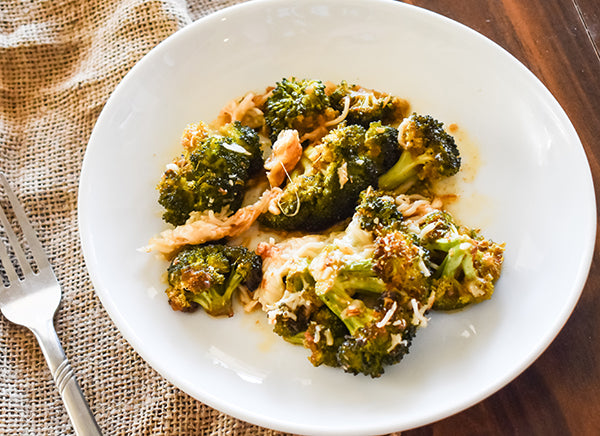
[{"x": 559, "y": 41}]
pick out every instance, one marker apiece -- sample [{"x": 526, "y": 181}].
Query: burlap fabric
[{"x": 59, "y": 62}]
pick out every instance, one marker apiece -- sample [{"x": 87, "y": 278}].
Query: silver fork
[{"x": 30, "y": 298}]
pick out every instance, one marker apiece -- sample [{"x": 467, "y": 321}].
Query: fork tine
[
  {"x": 9, "y": 269},
  {"x": 37, "y": 251}
]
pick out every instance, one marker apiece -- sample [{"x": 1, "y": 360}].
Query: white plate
[{"x": 533, "y": 190}]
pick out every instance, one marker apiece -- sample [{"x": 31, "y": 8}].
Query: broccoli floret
[
  {"x": 399, "y": 258},
  {"x": 353, "y": 312},
  {"x": 381, "y": 145},
  {"x": 301, "y": 318},
  {"x": 247, "y": 138},
  {"x": 351, "y": 278},
  {"x": 292, "y": 325},
  {"x": 469, "y": 264},
  {"x": 326, "y": 184},
  {"x": 366, "y": 106},
  {"x": 292, "y": 322},
  {"x": 378, "y": 212},
  {"x": 376, "y": 313},
  {"x": 403, "y": 264},
  {"x": 375, "y": 346},
  {"x": 208, "y": 276},
  {"x": 212, "y": 174},
  {"x": 295, "y": 104},
  {"x": 378, "y": 336},
  {"x": 430, "y": 153},
  {"x": 324, "y": 336}
]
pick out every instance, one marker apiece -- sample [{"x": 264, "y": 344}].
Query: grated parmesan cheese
[
  {"x": 388, "y": 316},
  {"x": 236, "y": 148}
]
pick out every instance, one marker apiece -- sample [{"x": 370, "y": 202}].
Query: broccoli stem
[
  {"x": 353, "y": 312},
  {"x": 458, "y": 257},
  {"x": 216, "y": 304},
  {"x": 297, "y": 339},
  {"x": 403, "y": 170}
]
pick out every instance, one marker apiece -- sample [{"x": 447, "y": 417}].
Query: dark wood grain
[
  {"x": 558, "y": 41},
  {"x": 589, "y": 10}
]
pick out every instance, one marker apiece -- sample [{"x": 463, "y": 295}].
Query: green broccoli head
[
  {"x": 402, "y": 263},
  {"x": 323, "y": 337},
  {"x": 208, "y": 276},
  {"x": 374, "y": 293},
  {"x": 430, "y": 153},
  {"x": 378, "y": 212},
  {"x": 344, "y": 284},
  {"x": 295, "y": 104},
  {"x": 212, "y": 175},
  {"x": 469, "y": 264},
  {"x": 381, "y": 336},
  {"x": 291, "y": 317},
  {"x": 292, "y": 325},
  {"x": 326, "y": 185},
  {"x": 381, "y": 145},
  {"x": 247, "y": 138},
  {"x": 362, "y": 350},
  {"x": 366, "y": 106}
]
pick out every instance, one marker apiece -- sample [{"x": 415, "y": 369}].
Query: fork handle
[{"x": 77, "y": 407}]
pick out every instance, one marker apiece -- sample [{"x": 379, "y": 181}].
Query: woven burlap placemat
[{"x": 59, "y": 62}]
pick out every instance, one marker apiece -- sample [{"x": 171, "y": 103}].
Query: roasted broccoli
[
  {"x": 375, "y": 293},
  {"x": 400, "y": 260},
  {"x": 366, "y": 106},
  {"x": 430, "y": 153},
  {"x": 403, "y": 264},
  {"x": 301, "y": 318},
  {"x": 353, "y": 171},
  {"x": 383, "y": 337},
  {"x": 381, "y": 145},
  {"x": 468, "y": 265},
  {"x": 378, "y": 212},
  {"x": 208, "y": 276},
  {"x": 212, "y": 174},
  {"x": 377, "y": 316},
  {"x": 353, "y": 302},
  {"x": 357, "y": 323},
  {"x": 297, "y": 104},
  {"x": 324, "y": 336},
  {"x": 338, "y": 292},
  {"x": 326, "y": 184},
  {"x": 292, "y": 315}
]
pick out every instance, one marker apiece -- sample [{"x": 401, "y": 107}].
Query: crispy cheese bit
[
  {"x": 243, "y": 109},
  {"x": 317, "y": 337},
  {"x": 343, "y": 174},
  {"x": 396, "y": 340},
  {"x": 245, "y": 298},
  {"x": 278, "y": 260},
  {"x": 328, "y": 338},
  {"x": 419, "y": 318},
  {"x": 388, "y": 315},
  {"x": 191, "y": 133},
  {"x": 287, "y": 152},
  {"x": 414, "y": 207},
  {"x": 342, "y": 116},
  {"x": 209, "y": 226}
]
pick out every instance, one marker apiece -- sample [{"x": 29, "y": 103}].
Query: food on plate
[
  {"x": 316, "y": 202},
  {"x": 429, "y": 153},
  {"x": 208, "y": 276},
  {"x": 212, "y": 173},
  {"x": 324, "y": 186}
]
